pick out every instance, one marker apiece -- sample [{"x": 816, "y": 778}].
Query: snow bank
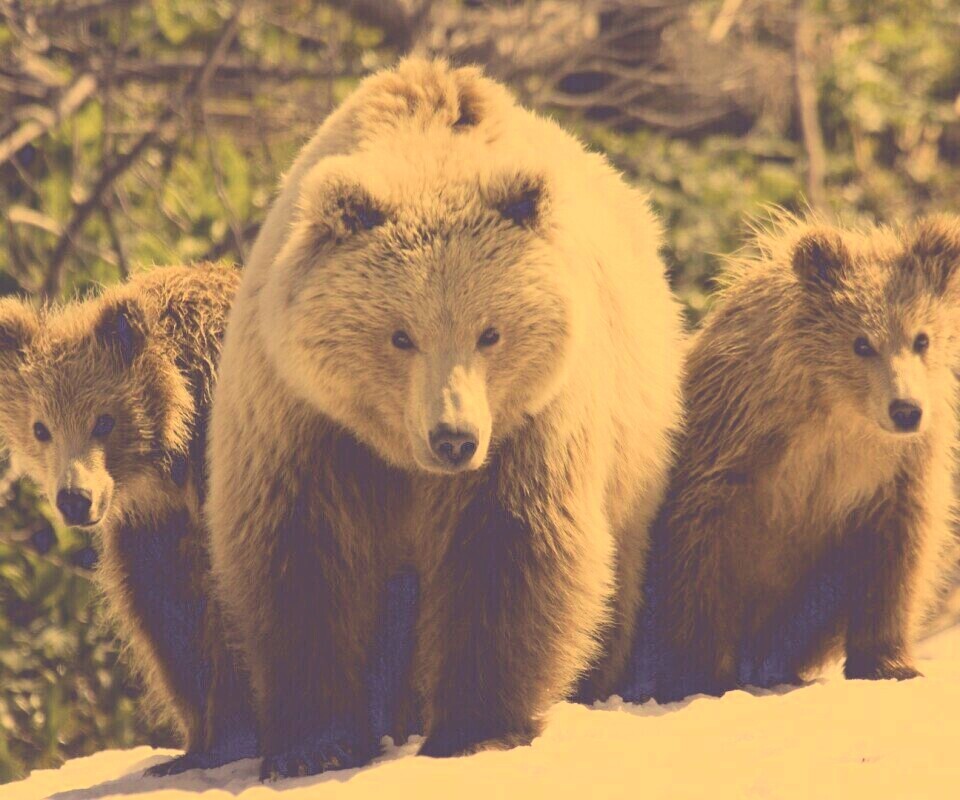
[{"x": 830, "y": 739}]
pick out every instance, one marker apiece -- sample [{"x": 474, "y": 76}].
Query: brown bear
[
  {"x": 809, "y": 511},
  {"x": 454, "y": 353},
  {"x": 105, "y": 405}
]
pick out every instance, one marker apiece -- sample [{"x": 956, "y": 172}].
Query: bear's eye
[
  {"x": 921, "y": 343},
  {"x": 103, "y": 425},
  {"x": 401, "y": 341},
  {"x": 863, "y": 348},
  {"x": 41, "y": 432},
  {"x": 488, "y": 338}
]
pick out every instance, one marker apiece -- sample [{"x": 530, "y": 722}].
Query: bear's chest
[{"x": 831, "y": 468}]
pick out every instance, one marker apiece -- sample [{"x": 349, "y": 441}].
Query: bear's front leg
[
  {"x": 700, "y": 622},
  {"x": 308, "y": 664},
  {"x": 883, "y": 565},
  {"x": 169, "y": 576},
  {"x": 525, "y": 580},
  {"x": 301, "y": 590},
  {"x": 152, "y": 578}
]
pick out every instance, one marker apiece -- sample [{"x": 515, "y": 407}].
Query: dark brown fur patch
[
  {"x": 521, "y": 200},
  {"x": 820, "y": 257},
  {"x": 936, "y": 249}
]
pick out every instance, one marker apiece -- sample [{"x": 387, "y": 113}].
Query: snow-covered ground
[{"x": 834, "y": 738}]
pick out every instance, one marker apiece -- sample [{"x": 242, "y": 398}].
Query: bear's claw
[
  {"x": 174, "y": 766},
  {"x": 879, "y": 670},
  {"x": 301, "y": 761}
]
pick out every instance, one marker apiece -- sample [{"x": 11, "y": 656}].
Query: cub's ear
[
  {"x": 18, "y": 327},
  {"x": 820, "y": 258},
  {"x": 520, "y": 199},
  {"x": 935, "y": 249},
  {"x": 336, "y": 207},
  {"x": 122, "y": 329}
]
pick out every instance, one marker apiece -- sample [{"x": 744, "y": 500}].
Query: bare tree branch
[
  {"x": 116, "y": 242},
  {"x": 69, "y": 103},
  {"x": 21, "y": 215},
  {"x": 226, "y": 244},
  {"x": 232, "y": 219},
  {"x": 724, "y": 20},
  {"x": 84, "y": 9},
  {"x": 170, "y": 68},
  {"x": 54, "y": 279},
  {"x": 806, "y": 88},
  {"x": 400, "y": 20}
]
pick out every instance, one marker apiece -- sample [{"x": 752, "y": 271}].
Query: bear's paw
[
  {"x": 449, "y": 743},
  {"x": 315, "y": 757},
  {"x": 878, "y": 668}
]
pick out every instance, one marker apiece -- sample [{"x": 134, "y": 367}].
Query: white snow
[{"x": 834, "y": 738}]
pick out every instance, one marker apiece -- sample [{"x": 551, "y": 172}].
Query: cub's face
[
  {"x": 77, "y": 409},
  {"x": 884, "y": 322},
  {"x": 428, "y": 314}
]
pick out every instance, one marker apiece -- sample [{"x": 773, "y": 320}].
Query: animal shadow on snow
[{"x": 234, "y": 778}]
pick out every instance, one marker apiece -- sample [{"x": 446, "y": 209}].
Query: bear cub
[
  {"x": 809, "y": 511},
  {"x": 104, "y": 405}
]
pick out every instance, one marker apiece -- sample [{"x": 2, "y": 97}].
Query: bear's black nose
[
  {"x": 453, "y": 447},
  {"x": 905, "y": 414},
  {"x": 74, "y": 505}
]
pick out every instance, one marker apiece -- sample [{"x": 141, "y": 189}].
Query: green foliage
[
  {"x": 705, "y": 193},
  {"x": 63, "y": 694}
]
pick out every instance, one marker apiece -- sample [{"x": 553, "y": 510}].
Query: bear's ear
[
  {"x": 935, "y": 249},
  {"x": 122, "y": 329},
  {"x": 820, "y": 258},
  {"x": 521, "y": 199},
  {"x": 336, "y": 208},
  {"x": 18, "y": 326}
]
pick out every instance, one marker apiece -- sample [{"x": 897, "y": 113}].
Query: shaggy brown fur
[
  {"x": 143, "y": 355},
  {"x": 466, "y": 270},
  {"x": 792, "y": 472}
]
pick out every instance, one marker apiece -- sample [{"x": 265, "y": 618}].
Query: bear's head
[
  {"x": 422, "y": 304},
  {"x": 88, "y": 412},
  {"x": 882, "y": 319}
]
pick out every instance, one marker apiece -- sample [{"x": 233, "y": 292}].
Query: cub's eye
[
  {"x": 401, "y": 341},
  {"x": 921, "y": 343},
  {"x": 41, "y": 432},
  {"x": 488, "y": 338},
  {"x": 862, "y": 347},
  {"x": 103, "y": 425}
]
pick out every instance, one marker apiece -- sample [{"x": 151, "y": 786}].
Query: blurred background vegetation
[{"x": 154, "y": 131}]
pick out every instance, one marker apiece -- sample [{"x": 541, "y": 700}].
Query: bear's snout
[
  {"x": 906, "y": 415},
  {"x": 454, "y": 447},
  {"x": 74, "y": 505}
]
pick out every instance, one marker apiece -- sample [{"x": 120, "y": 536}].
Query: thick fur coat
[
  {"x": 454, "y": 355},
  {"x": 105, "y": 405},
  {"x": 810, "y": 510}
]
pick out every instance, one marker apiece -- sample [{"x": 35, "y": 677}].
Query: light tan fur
[
  {"x": 790, "y": 463},
  {"x": 441, "y": 224}
]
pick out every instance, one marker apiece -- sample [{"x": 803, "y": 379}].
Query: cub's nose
[
  {"x": 905, "y": 415},
  {"x": 453, "y": 447},
  {"x": 74, "y": 505}
]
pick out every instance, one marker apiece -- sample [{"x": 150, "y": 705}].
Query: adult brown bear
[{"x": 454, "y": 351}]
